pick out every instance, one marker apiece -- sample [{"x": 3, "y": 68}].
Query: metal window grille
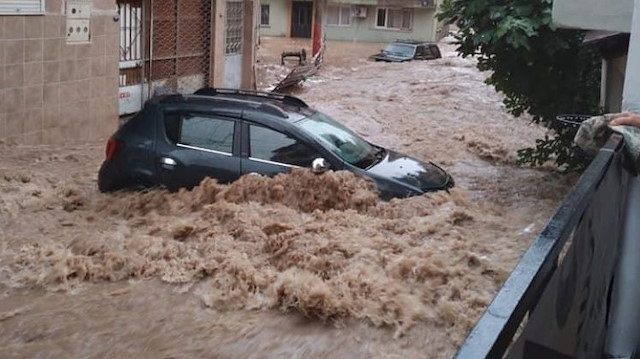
[
  {"x": 233, "y": 39},
  {"x": 179, "y": 47},
  {"x": 130, "y": 30}
]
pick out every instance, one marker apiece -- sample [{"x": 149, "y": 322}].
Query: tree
[{"x": 541, "y": 70}]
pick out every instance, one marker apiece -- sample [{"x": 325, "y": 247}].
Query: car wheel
[{"x": 140, "y": 184}]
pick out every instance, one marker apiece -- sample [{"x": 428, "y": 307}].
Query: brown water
[{"x": 295, "y": 266}]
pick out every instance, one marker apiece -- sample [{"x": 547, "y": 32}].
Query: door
[
  {"x": 301, "y": 17},
  {"x": 199, "y": 146},
  {"x": 270, "y": 152},
  {"x": 233, "y": 44},
  {"x": 130, "y": 62}
]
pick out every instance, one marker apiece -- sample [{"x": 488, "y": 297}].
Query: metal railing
[{"x": 559, "y": 304}]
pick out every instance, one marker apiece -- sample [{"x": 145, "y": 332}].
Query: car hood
[
  {"x": 389, "y": 57},
  {"x": 411, "y": 172}
]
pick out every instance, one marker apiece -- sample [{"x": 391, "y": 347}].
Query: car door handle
[{"x": 168, "y": 162}]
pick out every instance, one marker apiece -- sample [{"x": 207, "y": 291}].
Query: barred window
[
  {"x": 233, "y": 40},
  {"x": 264, "y": 15}
]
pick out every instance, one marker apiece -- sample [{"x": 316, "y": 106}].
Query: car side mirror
[
  {"x": 382, "y": 51},
  {"x": 320, "y": 165}
]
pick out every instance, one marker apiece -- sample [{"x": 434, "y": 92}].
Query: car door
[
  {"x": 268, "y": 151},
  {"x": 199, "y": 145}
]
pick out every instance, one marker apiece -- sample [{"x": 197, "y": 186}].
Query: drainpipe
[{"x": 623, "y": 333}]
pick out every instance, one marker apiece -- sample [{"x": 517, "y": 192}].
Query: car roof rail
[
  {"x": 285, "y": 99},
  {"x": 263, "y": 106},
  {"x": 274, "y": 110}
]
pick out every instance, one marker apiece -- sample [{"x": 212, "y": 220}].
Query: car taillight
[{"x": 113, "y": 146}]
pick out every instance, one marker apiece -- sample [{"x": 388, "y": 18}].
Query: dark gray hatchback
[{"x": 178, "y": 140}]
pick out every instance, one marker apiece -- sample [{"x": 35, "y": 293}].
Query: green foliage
[{"x": 541, "y": 70}]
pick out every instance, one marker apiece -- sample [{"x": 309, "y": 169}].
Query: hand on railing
[{"x": 628, "y": 119}]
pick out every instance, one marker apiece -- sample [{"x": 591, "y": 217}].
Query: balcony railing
[{"x": 559, "y": 296}]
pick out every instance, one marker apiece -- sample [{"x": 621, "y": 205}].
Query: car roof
[
  {"x": 410, "y": 42},
  {"x": 250, "y": 104}
]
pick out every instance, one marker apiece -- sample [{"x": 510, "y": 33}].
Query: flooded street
[{"x": 296, "y": 266}]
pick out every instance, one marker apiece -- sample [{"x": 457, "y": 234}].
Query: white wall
[
  {"x": 610, "y": 15},
  {"x": 631, "y": 92}
]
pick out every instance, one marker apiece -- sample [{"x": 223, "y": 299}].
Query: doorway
[{"x": 301, "y": 18}]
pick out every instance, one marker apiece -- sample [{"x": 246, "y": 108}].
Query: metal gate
[
  {"x": 233, "y": 44},
  {"x": 164, "y": 44}
]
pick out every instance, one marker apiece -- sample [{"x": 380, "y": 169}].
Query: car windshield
[
  {"x": 340, "y": 140},
  {"x": 400, "y": 49}
]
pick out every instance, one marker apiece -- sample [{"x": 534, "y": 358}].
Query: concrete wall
[
  {"x": 278, "y": 18},
  {"x": 52, "y": 92},
  {"x": 610, "y": 15}
]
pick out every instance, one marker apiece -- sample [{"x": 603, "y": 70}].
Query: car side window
[
  {"x": 420, "y": 51},
  {"x": 207, "y": 132},
  {"x": 269, "y": 145}
]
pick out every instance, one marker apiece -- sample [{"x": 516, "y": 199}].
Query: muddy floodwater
[{"x": 296, "y": 266}]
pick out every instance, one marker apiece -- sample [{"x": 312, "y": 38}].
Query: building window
[
  {"x": 23, "y": 7},
  {"x": 338, "y": 15},
  {"x": 264, "y": 15},
  {"x": 233, "y": 40},
  {"x": 395, "y": 19}
]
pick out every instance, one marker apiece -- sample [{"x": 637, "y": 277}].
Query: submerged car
[
  {"x": 407, "y": 50},
  {"x": 178, "y": 140}
]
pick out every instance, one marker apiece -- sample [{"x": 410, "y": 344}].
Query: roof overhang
[
  {"x": 605, "y": 15},
  {"x": 610, "y": 43}
]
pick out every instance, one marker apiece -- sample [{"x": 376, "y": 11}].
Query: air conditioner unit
[
  {"x": 428, "y": 3},
  {"x": 359, "y": 11}
]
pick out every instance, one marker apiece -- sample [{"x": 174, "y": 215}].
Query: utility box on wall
[{"x": 78, "y": 13}]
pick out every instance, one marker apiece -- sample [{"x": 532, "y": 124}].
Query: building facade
[
  {"x": 610, "y": 24},
  {"x": 355, "y": 20},
  {"x": 70, "y": 68},
  {"x": 53, "y": 88}
]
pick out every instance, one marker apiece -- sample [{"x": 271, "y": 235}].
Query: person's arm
[{"x": 628, "y": 119}]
